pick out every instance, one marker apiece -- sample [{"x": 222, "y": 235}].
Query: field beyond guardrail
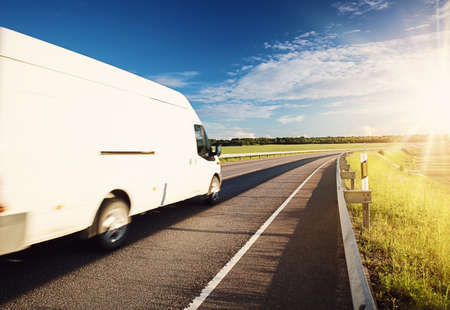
[
  {"x": 286, "y": 153},
  {"x": 268, "y": 154}
]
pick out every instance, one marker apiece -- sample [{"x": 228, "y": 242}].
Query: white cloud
[
  {"x": 431, "y": 2},
  {"x": 188, "y": 73},
  {"x": 215, "y": 93},
  {"x": 440, "y": 22},
  {"x": 210, "y": 125},
  {"x": 174, "y": 79},
  {"x": 311, "y": 40},
  {"x": 350, "y": 111},
  {"x": 240, "y": 70},
  {"x": 220, "y": 131},
  {"x": 335, "y": 104},
  {"x": 284, "y": 46},
  {"x": 236, "y": 111},
  {"x": 242, "y": 134},
  {"x": 253, "y": 59},
  {"x": 291, "y": 119},
  {"x": 360, "y": 7},
  {"x": 342, "y": 71},
  {"x": 295, "y": 105},
  {"x": 422, "y": 26},
  {"x": 307, "y": 34},
  {"x": 352, "y": 31},
  {"x": 444, "y": 11},
  {"x": 441, "y": 16}
]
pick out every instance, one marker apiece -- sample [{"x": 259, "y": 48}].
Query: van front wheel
[
  {"x": 113, "y": 223},
  {"x": 214, "y": 190}
]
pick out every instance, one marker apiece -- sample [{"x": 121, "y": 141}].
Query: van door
[{"x": 204, "y": 161}]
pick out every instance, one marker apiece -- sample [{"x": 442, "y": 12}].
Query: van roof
[{"x": 20, "y": 47}]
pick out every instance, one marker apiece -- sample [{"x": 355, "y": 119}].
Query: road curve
[{"x": 174, "y": 251}]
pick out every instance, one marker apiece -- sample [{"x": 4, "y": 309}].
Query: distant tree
[{"x": 323, "y": 140}]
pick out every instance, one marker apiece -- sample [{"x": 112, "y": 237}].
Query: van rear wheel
[
  {"x": 113, "y": 223},
  {"x": 214, "y": 190}
]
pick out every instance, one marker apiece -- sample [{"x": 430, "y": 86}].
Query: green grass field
[
  {"x": 407, "y": 250},
  {"x": 301, "y": 147},
  {"x": 298, "y": 147}
]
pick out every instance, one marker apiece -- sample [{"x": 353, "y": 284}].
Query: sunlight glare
[{"x": 431, "y": 98}]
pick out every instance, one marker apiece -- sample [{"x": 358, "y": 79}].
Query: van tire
[
  {"x": 112, "y": 227},
  {"x": 214, "y": 191}
]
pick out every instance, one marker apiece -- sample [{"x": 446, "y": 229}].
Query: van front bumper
[{"x": 12, "y": 232}]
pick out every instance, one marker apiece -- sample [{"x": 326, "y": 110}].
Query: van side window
[{"x": 203, "y": 146}]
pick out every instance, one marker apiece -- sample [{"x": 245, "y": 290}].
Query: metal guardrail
[
  {"x": 361, "y": 294},
  {"x": 262, "y": 154}
]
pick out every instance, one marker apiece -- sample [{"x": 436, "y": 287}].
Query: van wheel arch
[
  {"x": 122, "y": 195},
  {"x": 91, "y": 231},
  {"x": 213, "y": 195},
  {"x": 219, "y": 177}
]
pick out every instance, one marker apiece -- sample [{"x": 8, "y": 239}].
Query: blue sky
[{"x": 270, "y": 68}]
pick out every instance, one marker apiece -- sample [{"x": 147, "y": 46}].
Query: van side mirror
[{"x": 218, "y": 150}]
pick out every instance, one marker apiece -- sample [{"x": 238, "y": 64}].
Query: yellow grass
[{"x": 407, "y": 250}]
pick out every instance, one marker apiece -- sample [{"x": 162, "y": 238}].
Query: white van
[{"x": 84, "y": 146}]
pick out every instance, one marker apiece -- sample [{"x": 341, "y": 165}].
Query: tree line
[{"x": 322, "y": 140}]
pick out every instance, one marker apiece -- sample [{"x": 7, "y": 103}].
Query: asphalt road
[{"x": 173, "y": 252}]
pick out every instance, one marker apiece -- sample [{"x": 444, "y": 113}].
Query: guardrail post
[
  {"x": 365, "y": 186},
  {"x": 363, "y": 196},
  {"x": 344, "y": 165},
  {"x": 361, "y": 294},
  {"x": 349, "y": 175}
]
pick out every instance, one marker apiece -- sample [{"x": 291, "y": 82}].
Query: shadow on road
[
  {"x": 29, "y": 269},
  {"x": 309, "y": 273}
]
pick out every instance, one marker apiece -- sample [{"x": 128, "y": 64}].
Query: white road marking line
[{"x": 228, "y": 266}]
